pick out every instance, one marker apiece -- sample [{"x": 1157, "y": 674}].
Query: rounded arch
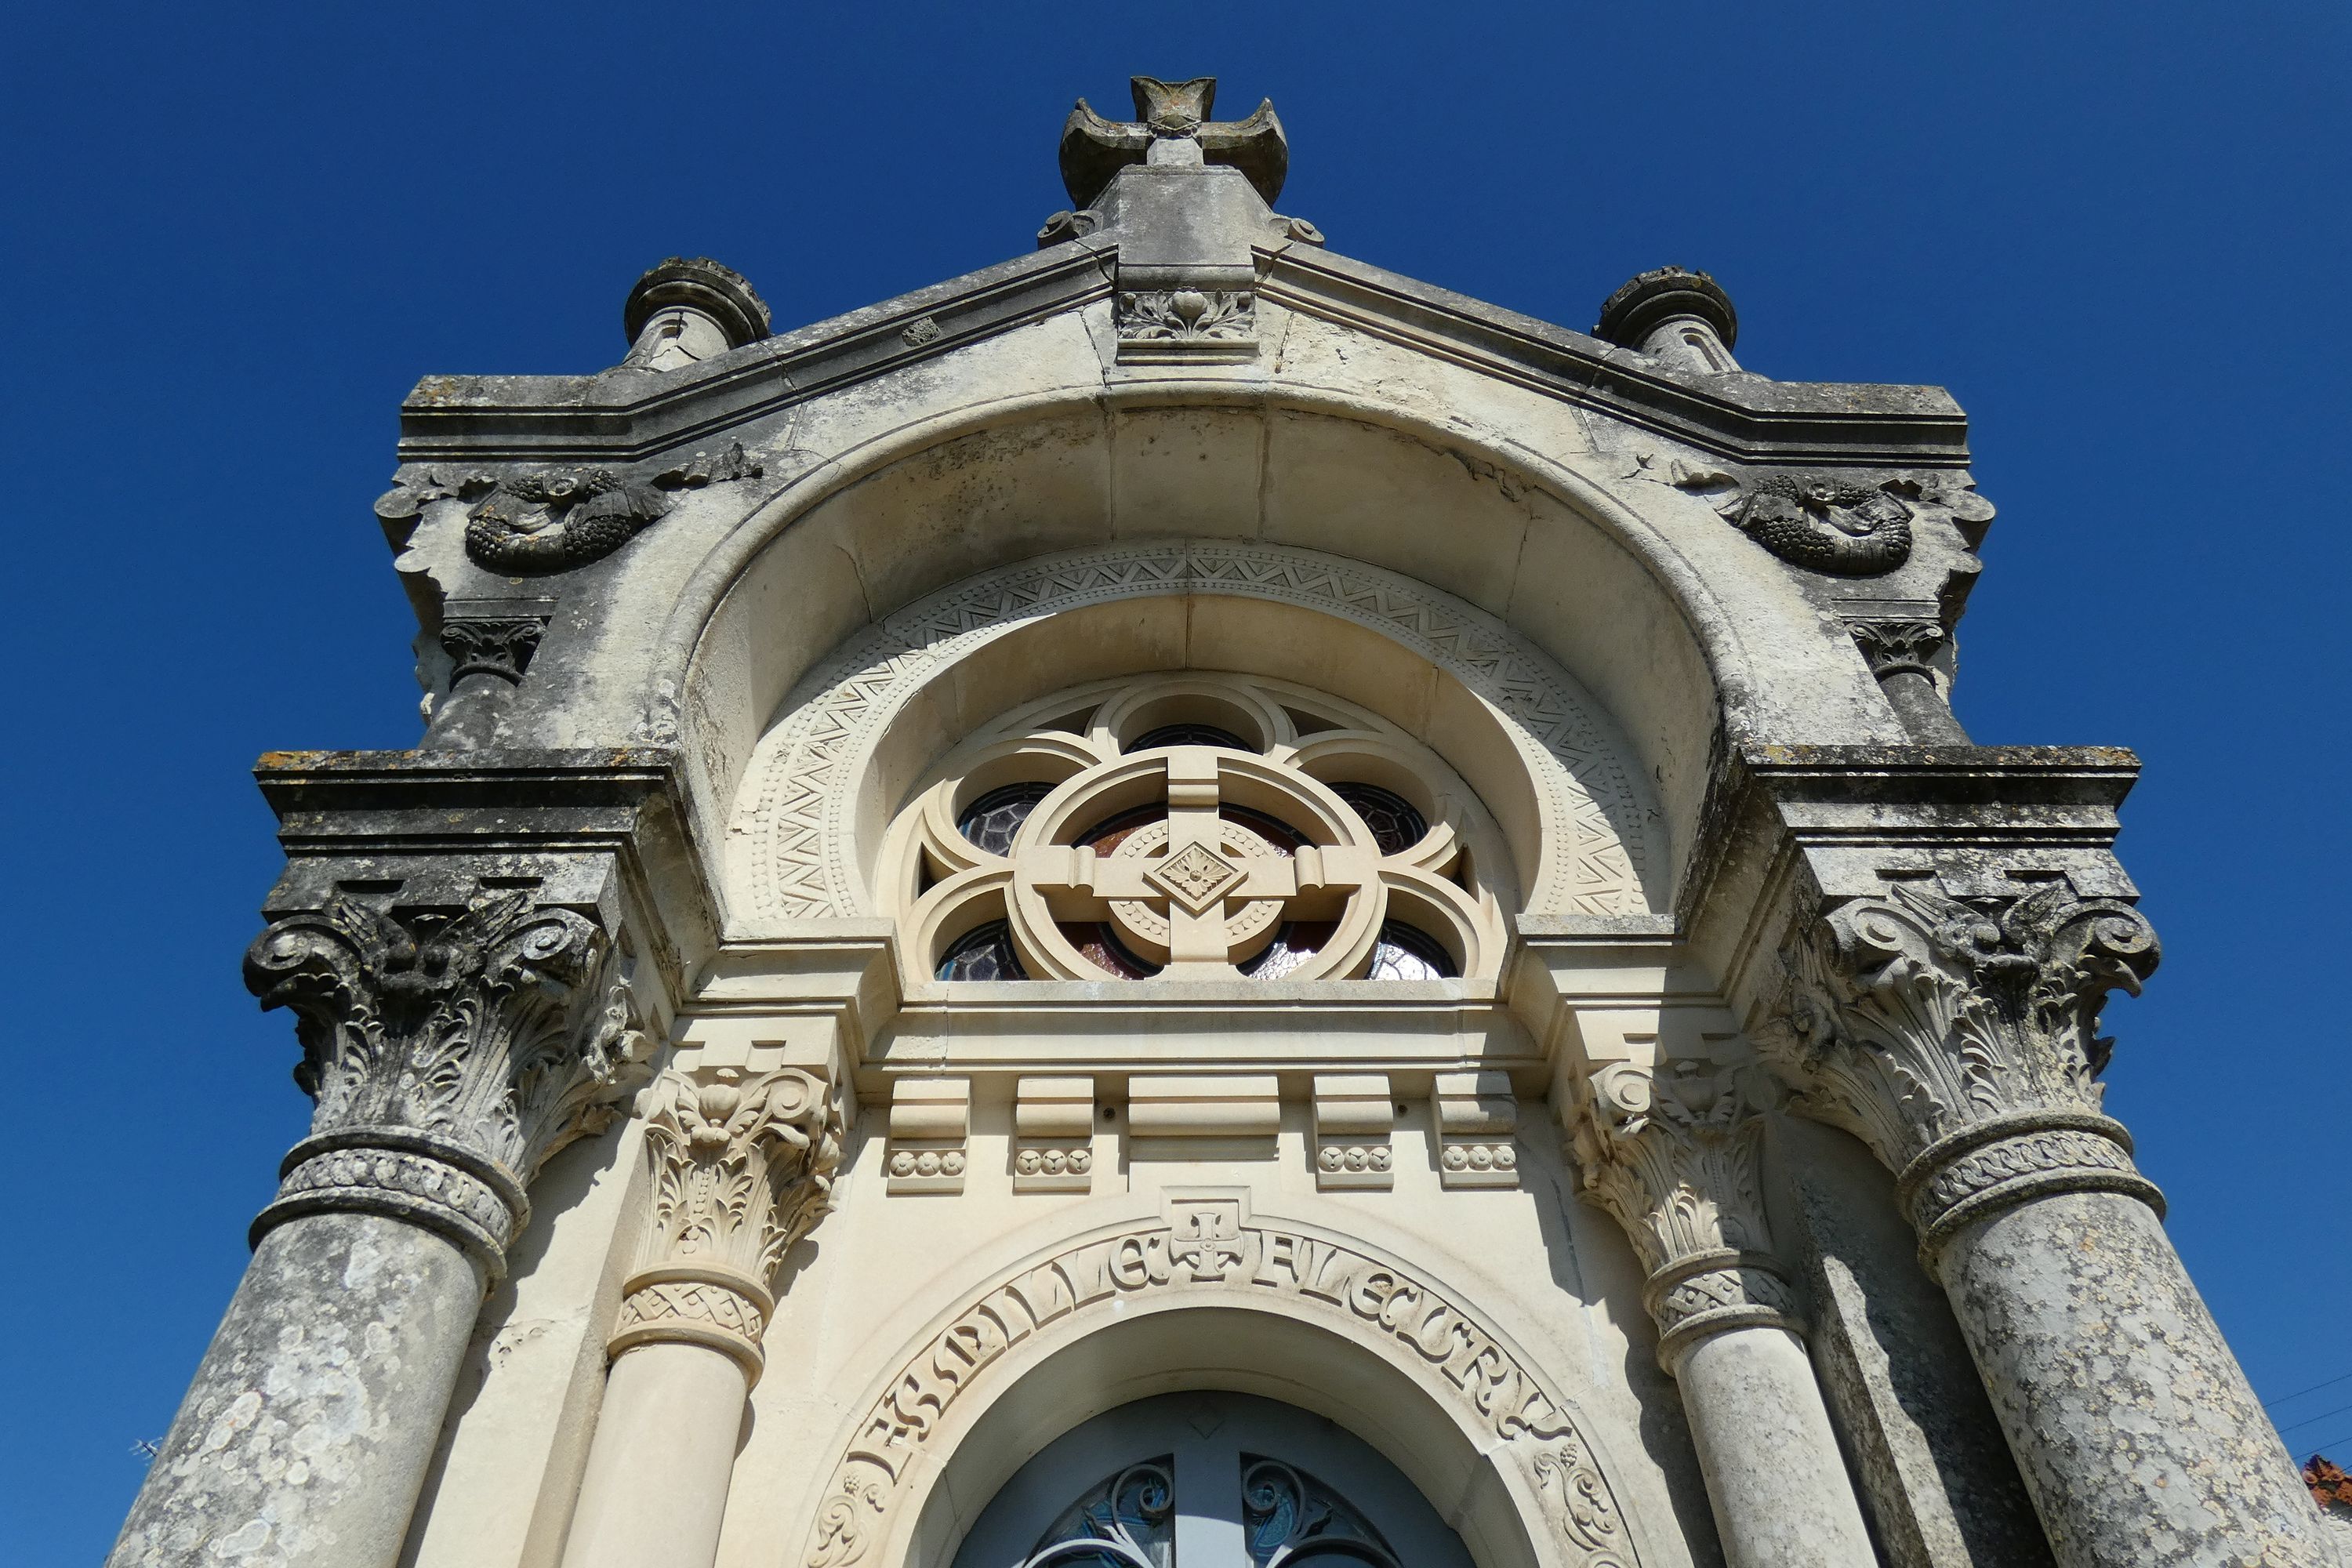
[
  {"x": 1236, "y": 1350},
  {"x": 873, "y": 717},
  {"x": 1623, "y": 597},
  {"x": 1208, "y": 1296}
]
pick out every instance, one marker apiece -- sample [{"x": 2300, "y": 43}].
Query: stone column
[
  {"x": 447, "y": 1062},
  {"x": 743, "y": 1158},
  {"x": 1673, "y": 1156},
  {"x": 1958, "y": 1039}
]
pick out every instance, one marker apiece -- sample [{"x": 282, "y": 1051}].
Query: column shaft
[
  {"x": 1672, "y": 1152},
  {"x": 1774, "y": 1476},
  {"x": 304, "y": 1439},
  {"x": 655, "y": 1487},
  {"x": 744, "y": 1152},
  {"x": 2137, "y": 1435}
]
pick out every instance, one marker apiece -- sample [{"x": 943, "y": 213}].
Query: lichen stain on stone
[{"x": 246, "y": 1540}]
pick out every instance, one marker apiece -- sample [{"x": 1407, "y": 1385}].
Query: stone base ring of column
[
  {"x": 1978, "y": 1170},
  {"x": 404, "y": 1175},
  {"x": 1711, "y": 1292},
  {"x": 698, "y": 1304}
]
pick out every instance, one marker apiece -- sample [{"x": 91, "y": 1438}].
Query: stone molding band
[
  {"x": 1707, "y": 1293},
  {"x": 406, "y": 1175},
  {"x": 1979, "y": 1170},
  {"x": 696, "y": 1304}
]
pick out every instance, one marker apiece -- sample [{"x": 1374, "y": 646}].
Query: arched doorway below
[{"x": 1210, "y": 1479}]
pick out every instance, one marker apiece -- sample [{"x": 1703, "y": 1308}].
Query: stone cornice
[
  {"x": 1848, "y": 814},
  {"x": 600, "y": 832},
  {"x": 1748, "y": 417},
  {"x": 621, "y": 416},
  {"x": 628, "y": 416}
]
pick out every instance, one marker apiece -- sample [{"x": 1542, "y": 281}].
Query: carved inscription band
[
  {"x": 1208, "y": 1248},
  {"x": 405, "y": 1176},
  {"x": 1997, "y": 1164}
]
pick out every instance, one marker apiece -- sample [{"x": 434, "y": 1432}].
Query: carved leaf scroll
[
  {"x": 1907, "y": 1017},
  {"x": 506, "y": 1030},
  {"x": 548, "y": 520}
]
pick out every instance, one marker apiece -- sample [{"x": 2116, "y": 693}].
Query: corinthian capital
[
  {"x": 1959, "y": 1040},
  {"x": 1672, "y": 1154},
  {"x": 448, "y": 1060},
  {"x": 743, "y": 1164}
]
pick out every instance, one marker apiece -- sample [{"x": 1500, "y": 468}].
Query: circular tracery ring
[{"x": 1194, "y": 828}]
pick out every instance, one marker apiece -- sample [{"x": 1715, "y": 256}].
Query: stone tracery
[{"x": 1195, "y": 826}]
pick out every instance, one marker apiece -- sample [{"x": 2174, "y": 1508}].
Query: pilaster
[{"x": 744, "y": 1141}]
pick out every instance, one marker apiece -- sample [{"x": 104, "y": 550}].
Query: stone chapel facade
[{"x": 1183, "y": 904}]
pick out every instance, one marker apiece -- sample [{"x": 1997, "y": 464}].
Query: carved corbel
[
  {"x": 543, "y": 521},
  {"x": 1673, "y": 1156},
  {"x": 743, "y": 1162},
  {"x": 1959, "y": 1040},
  {"x": 448, "y": 1059}
]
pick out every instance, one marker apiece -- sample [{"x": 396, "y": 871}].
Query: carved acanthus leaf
[
  {"x": 1673, "y": 1157},
  {"x": 506, "y": 1032},
  {"x": 499, "y": 645},
  {"x": 1819, "y": 522},
  {"x": 744, "y": 1167},
  {"x": 1186, "y": 315},
  {"x": 1911, "y": 1016},
  {"x": 1899, "y": 646}
]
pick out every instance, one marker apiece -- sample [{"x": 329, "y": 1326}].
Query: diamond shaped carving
[{"x": 1193, "y": 877}]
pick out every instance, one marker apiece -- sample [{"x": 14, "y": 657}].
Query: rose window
[{"x": 1195, "y": 828}]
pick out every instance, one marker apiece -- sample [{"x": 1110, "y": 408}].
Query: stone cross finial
[{"x": 1171, "y": 127}]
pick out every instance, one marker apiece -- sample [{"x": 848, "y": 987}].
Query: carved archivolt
[
  {"x": 1210, "y": 1246},
  {"x": 799, "y": 798}
]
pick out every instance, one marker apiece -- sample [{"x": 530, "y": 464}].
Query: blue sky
[{"x": 2117, "y": 234}]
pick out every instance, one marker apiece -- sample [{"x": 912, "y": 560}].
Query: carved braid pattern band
[
  {"x": 799, "y": 811},
  {"x": 419, "y": 1182},
  {"x": 1709, "y": 1293},
  {"x": 1986, "y": 1169},
  {"x": 668, "y": 1305}
]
